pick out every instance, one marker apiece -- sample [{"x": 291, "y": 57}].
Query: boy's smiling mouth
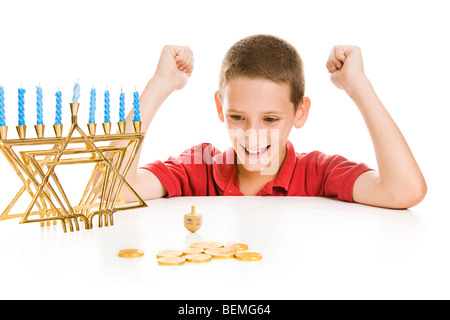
[{"x": 255, "y": 152}]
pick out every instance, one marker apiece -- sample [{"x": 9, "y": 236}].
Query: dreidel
[{"x": 192, "y": 220}]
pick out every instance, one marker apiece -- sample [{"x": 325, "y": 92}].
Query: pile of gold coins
[{"x": 204, "y": 251}]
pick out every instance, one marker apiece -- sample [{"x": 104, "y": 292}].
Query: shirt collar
[
  {"x": 224, "y": 170},
  {"x": 284, "y": 176}
]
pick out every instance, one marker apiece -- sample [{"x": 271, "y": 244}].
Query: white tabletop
[{"x": 313, "y": 248}]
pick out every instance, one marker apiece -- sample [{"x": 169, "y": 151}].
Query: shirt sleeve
[
  {"x": 184, "y": 175},
  {"x": 334, "y": 175}
]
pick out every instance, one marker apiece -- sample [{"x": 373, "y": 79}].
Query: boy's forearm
[
  {"x": 150, "y": 100},
  {"x": 396, "y": 164}
]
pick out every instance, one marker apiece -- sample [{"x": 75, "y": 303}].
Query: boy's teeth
[{"x": 256, "y": 151}]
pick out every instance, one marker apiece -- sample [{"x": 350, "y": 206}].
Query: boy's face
[{"x": 259, "y": 116}]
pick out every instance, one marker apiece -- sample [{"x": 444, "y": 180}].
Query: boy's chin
[{"x": 261, "y": 168}]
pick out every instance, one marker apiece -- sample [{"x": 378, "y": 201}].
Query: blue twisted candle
[
  {"x": 92, "y": 106},
  {"x": 58, "y": 107},
  {"x": 107, "y": 107},
  {"x": 21, "y": 106},
  {"x": 2, "y": 107},
  {"x": 39, "y": 109},
  {"x": 122, "y": 107},
  {"x": 76, "y": 92},
  {"x": 137, "y": 112}
]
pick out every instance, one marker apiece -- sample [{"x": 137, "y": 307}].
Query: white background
[{"x": 117, "y": 44}]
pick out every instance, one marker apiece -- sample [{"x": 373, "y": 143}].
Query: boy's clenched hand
[
  {"x": 175, "y": 66},
  {"x": 346, "y": 66}
]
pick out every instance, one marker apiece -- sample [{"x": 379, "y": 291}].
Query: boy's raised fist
[
  {"x": 175, "y": 66},
  {"x": 345, "y": 65}
]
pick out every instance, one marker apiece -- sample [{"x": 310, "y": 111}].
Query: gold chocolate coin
[
  {"x": 169, "y": 253},
  {"x": 206, "y": 244},
  {"x": 221, "y": 253},
  {"x": 131, "y": 253},
  {"x": 191, "y": 250},
  {"x": 237, "y": 246},
  {"x": 197, "y": 257},
  {"x": 248, "y": 256},
  {"x": 171, "y": 261}
]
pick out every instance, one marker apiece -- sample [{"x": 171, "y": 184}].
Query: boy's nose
[
  {"x": 252, "y": 126},
  {"x": 255, "y": 138}
]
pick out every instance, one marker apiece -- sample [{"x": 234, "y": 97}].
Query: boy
[{"x": 260, "y": 99}]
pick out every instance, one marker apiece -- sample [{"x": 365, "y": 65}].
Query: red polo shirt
[{"x": 205, "y": 171}]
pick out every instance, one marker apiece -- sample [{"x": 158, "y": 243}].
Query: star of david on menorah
[{"x": 36, "y": 168}]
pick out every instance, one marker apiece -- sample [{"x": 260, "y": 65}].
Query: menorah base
[{"x": 73, "y": 222}]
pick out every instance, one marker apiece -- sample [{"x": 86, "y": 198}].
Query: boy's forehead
[{"x": 243, "y": 93}]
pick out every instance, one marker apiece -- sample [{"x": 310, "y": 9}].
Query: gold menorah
[{"x": 36, "y": 170}]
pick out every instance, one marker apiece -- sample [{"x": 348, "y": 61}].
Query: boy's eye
[
  {"x": 270, "y": 119},
  {"x": 236, "y": 117}
]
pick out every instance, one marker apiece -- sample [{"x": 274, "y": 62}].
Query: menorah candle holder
[
  {"x": 22, "y": 131},
  {"x": 137, "y": 126},
  {"x": 49, "y": 201},
  {"x": 91, "y": 128},
  {"x": 122, "y": 126},
  {"x": 3, "y": 132},
  {"x": 106, "y": 127},
  {"x": 58, "y": 128},
  {"x": 39, "y": 130}
]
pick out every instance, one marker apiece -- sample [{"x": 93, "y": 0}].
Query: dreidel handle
[{"x": 192, "y": 221}]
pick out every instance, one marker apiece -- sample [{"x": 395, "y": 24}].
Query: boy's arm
[
  {"x": 175, "y": 66},
  {"x": 399, "y": 183}
]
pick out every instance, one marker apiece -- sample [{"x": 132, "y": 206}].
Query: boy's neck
[{"x": 250, "y": 183}]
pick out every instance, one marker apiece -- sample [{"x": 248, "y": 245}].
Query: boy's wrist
[
  {"x": 154, "y": 94},
  {"x": 161, "y": 85},
  {"x": 356, "y": 85}
]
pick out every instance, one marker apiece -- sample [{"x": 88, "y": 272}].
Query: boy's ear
[
  {"x": 302, "y": 112},
  {"x": 219, "y": 106}
]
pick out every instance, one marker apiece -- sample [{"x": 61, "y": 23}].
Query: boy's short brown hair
[{"x": 264, "y": 57}]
